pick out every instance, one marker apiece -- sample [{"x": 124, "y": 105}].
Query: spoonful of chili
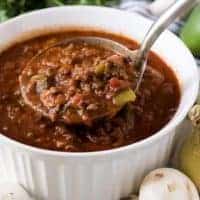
[{"x": 83, "y": 79}]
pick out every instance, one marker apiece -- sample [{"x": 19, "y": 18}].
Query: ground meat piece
[
  {"x": 117, "y": 60},
  {"x": 52, "y": 98},
  {"x": 93, "y": 106},
  {"x": 76, "y": 100},
  {"x": 62, "y": 73},
  {"x": 13, "y": 111}
]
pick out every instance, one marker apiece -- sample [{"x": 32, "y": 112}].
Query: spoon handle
[{"x": 180, "y": 8}]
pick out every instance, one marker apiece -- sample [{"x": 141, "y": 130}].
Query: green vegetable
[
  {"x": 190, "y": 33},
  {"x": 124, "y": 97},
  {"x": 54, "y": 3},
  {"x": 189, "y": 159},
  {"x": 101, "y": 68},
  {"x": 11, "y": 8},
  {"x": 3, "y": 15}
]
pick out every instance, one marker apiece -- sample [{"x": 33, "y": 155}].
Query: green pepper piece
[
  {"x": 190, "y": 33},
  {"x": 101, "y": 68},
  {"x": 124, "y": 97}
]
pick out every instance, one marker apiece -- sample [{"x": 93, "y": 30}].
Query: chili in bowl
[
  {"x": 65, "y": 132},
  {"x": 89, "y": 78}
]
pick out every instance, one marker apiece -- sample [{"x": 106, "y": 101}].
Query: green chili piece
[
  {"x": 101, "y": 68},
  {"x": 124, "y": 97}
]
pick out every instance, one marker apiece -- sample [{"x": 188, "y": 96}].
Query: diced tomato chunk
[{"x": 116, "y": 83}]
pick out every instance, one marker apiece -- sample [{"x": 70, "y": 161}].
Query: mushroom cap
[{"x": 167, "y": 183}]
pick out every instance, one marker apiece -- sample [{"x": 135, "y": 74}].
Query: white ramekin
[{"x": 105, "y": 175}]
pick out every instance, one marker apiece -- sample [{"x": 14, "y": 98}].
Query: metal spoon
[{"x": 138, "y": 58}]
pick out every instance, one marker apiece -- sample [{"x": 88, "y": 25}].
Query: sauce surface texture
[{"x": 156, "y": 102}]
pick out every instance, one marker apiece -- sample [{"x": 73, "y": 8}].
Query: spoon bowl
[{"x": 32, "y": 78}]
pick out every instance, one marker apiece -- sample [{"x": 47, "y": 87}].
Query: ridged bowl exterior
[
  {"x": 106, "y": 175},
  {"x": 54, "y": 178}
]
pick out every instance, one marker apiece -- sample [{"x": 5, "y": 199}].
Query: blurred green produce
[
  {"x": 11, "y": 8},
  {"x": 189, "y": 160},
  {"x": 190, "y": 33},
  {"x": 190, "y": 157}
]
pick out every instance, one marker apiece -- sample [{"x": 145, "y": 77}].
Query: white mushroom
[
  {"x": 167, "y": 184},
  {"x": 13, "y": 191}
]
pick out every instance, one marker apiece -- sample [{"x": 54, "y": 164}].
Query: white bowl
[{"x": 104, "y": 175}]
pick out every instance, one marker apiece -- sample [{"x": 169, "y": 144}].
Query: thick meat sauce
[
  {"x": 156, "y": 101},
  {"x": 78, "y": 83}
]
